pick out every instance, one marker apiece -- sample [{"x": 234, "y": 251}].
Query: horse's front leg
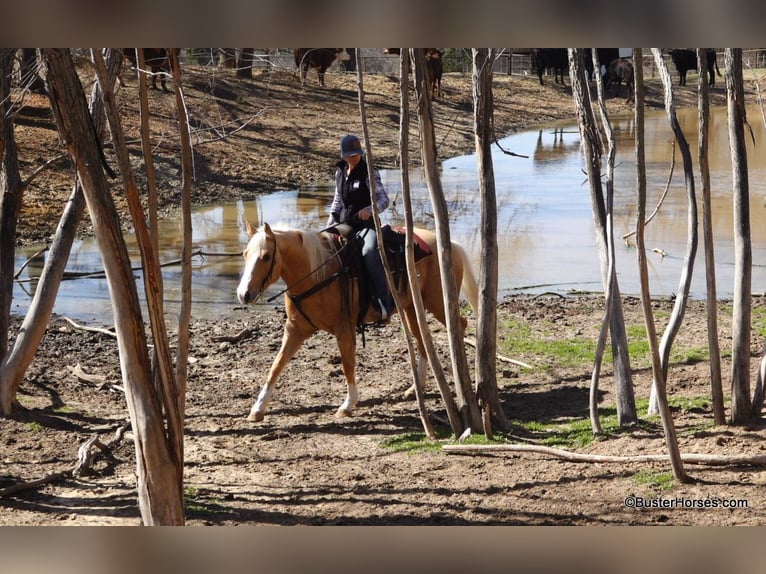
[
  {"x": 347, "y": 346},
  {"x": 292, "y": 340}
]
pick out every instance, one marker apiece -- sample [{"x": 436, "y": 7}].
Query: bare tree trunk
[
  {"x": 227, "y": 58},
  {"x": 592, "y": 151},
  {"x": 703, "y": 107},
  {"x": 671, "y": 439},
  {"x": 33, "y": 328},
  {"x": 466, "y": 398},
  {"x": 486, "y": 330},
  {"x": 160, "y": 500},
  {"x": 741, "y": 407},
  {"x": 424, "y": 419},
  {"x": 30, "y": 76},
  {"x": 682, "y": 295},
  {"x": 11, "y": 192},
  {"x": 245, "y": 63},
  {"x": 184, "y": 316},
  {"x": 429, "y": 351}
]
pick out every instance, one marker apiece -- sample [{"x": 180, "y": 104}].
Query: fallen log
[{"x": 691, "y": 458}]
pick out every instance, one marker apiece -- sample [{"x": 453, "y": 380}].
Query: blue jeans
[{"x": 375, "y": 272}]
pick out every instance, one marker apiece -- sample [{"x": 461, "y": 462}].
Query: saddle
[{"x": 394, "y": 239}]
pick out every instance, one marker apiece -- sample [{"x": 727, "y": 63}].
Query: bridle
[{"x": 319, "y": 286}]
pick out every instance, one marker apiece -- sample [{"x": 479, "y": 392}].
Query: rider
[{"x": 352, "y": 205}]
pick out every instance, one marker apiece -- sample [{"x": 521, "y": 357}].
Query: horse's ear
[
  {"x": 267, "y": 229},
  {"x": 250, "y": 229}
]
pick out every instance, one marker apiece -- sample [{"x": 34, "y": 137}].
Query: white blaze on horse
[{"x": 320, "y": 296}]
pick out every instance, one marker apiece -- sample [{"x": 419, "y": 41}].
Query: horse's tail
[{"x": 469, "y": 286}]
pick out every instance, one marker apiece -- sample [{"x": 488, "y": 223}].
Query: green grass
[
  {"x": 659, "y": 480},
  {"x": 549, "y": 351},
  {"x": 758, "y": 321},
  {"x": 196, "y": 505},
  {"x": 34, "y": 426},
  {"x": 415, "y": 442},
  {"x": 545, "y": 347}
]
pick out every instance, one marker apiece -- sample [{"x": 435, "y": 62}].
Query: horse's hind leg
[
  {"x": 292, "y": 340},
  {"x": 347, "y": 347}
]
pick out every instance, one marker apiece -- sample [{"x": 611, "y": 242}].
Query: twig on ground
[
  {"x": 90, "y": 329},
  {"x": 472, "y": 343},
  {"x": 85, "y": 460}
]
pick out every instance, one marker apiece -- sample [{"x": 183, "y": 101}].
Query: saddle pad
[{"x": 394, "y": 239}]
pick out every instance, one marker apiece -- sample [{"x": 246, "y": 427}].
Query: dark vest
[{"x": 355, "y": 193}]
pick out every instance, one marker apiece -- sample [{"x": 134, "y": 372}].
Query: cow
[
  {"x": 545, "y": 58},
  {"x": 686, "y": 60},
  {"x": 617, "y": 71},
  {"x": 319, "y": 59},
  {"x": 157, "y": 60},
  {"x": 434, "y": 68},
  {"x": 605, "y": 57}
]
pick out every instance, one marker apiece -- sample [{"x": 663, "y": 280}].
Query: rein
[{"x": 297, "y": 299}]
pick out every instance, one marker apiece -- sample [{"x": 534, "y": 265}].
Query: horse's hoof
[
  {"x": 342, "y": 414},
  {"x": 255, "y": 417},
  {"x": 409, "y": 393}
]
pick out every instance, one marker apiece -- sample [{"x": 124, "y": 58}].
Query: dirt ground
[{"x": 301, "y": 466}]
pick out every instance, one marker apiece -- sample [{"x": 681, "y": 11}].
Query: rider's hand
[{"x": 365, "y": 214}]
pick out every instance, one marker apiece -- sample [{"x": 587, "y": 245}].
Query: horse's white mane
[{"x": 318, "y": 250}]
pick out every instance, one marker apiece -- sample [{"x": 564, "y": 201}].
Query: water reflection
[{"x": 545, "y": 227}]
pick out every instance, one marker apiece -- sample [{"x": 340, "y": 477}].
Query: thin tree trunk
[
  {"x": 741, "y": 407},
  {"x": 486, "y": 337},
  {"x": 227, "y": 58},
  {"x": 160, "y": 500},
  {"x": 35, "y": 323},
  {"x": 245, "y": 63},
  {"x": 430, "y": 355},
  {"x": 671, "y": 439},
  {"x": 703, "y": 106},
  {"x": 184, "y": 316},
  {"x": 682, "y": 295},
  {"x": 11, "y": 193},
  {"x": 424, "y": 419},
  {"x": 592, "y": 151},
  {"x": 466, "y": 398}
]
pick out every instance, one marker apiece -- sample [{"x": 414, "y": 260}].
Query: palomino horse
[{"x": 320, "y": 297}]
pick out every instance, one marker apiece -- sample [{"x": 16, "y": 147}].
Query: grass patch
[
  {"x": 758, "y": 320},
  {"x": 195, "y": 504},
  {"x": 573, "y": 433},
  {"x": 549, "y": 350},
  {"x": 417, "y": 442},
  {"x": 413, "y": 442},
  {"x": 659, "y": 480},
  {"x": 34, "y": 426}
]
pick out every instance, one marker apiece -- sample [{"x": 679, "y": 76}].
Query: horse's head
[{"x": 262, "y": 266}]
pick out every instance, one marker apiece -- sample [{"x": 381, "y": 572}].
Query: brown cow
[
  {"x": 318, "y": 58},
  {"x": 434, "y": 68},
  {"x": 157, "y": 60},
  {"x": 617, "y": 71}
]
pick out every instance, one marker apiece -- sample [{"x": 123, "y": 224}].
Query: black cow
[
  {"x": 157, "y": 60},
  {"x": 686, "y": 60},
  {"x": 546, "y": 58},
  {"x": 319, "y": 59},
  {"x": 605, "y": 57},
  {"x": 434, "y": 68},
  {"x": 617, "y": 71}
]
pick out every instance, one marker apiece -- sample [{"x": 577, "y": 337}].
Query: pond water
[{"x": 545, "y": 227}]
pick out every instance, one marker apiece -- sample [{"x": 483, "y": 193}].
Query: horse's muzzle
[{"x": 245, "y": 297}]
